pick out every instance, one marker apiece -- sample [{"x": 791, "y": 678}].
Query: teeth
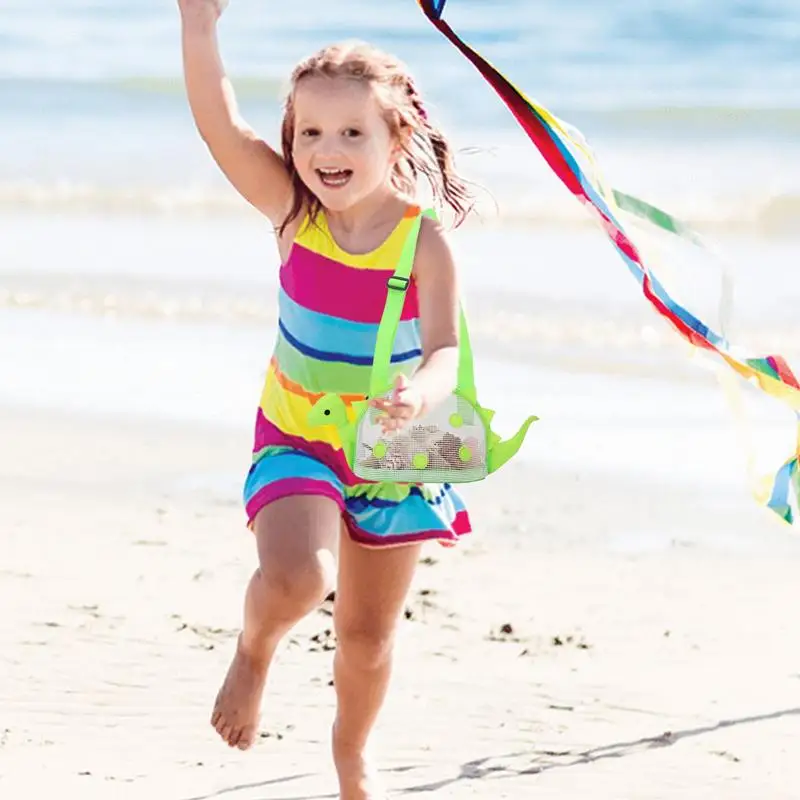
[{"x": 334, "y": 177}]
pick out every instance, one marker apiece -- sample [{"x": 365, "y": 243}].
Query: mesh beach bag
[{"x": 452, "y": 443}]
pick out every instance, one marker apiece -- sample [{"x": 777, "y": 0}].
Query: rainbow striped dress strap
[{"x": 560, "y": 145}]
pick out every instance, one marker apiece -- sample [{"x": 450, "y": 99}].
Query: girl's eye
[
  {"x": 352, "y": 133},
  {"x": 309, "y": 132}
]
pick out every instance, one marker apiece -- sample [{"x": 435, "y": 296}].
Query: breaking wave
[{"x": 768, "y": 214}]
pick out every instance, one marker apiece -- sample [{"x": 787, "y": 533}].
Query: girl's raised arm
[{"x": 256, "y": 171}]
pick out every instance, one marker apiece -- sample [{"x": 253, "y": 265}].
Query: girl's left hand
[{"x": 404, "y": 404}]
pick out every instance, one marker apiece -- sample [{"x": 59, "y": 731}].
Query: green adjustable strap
[{"x": 397, "y": 285}]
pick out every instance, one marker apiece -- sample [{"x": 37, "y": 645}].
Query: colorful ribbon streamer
[{"x": 559, "y": 146}]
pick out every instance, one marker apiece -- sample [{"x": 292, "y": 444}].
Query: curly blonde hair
[{"x": 426, "y": 151}]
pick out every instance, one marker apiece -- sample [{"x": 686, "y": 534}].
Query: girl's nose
[{"x": 328, "y": 146}]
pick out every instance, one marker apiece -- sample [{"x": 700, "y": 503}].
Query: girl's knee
[
  {"x": 365, "y": 644},
  {"x": 299, "y": 584},
  {"x": 296, "y": 539}
]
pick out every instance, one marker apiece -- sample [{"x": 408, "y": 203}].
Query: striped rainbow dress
[{"x": 330, "y": 304}]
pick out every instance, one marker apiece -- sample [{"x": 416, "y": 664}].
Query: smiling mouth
[{"x": 334, "y": 178}]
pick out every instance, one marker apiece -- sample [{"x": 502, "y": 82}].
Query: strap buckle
[{"x": 398, "y": 283}]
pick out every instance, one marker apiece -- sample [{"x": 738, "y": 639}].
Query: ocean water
[
  {"x": 133, "y": 280},
  {"x": 693, "y": 105}
]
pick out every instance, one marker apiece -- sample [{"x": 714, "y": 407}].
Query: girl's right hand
[{"x": 201, "y": 12}]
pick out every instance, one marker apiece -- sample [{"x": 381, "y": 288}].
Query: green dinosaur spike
[{"x": 486, "y": 414}]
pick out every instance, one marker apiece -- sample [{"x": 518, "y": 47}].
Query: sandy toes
[{"x": 236, "y": 709}]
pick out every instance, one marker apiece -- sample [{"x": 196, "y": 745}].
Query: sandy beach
[
  {"x": 592, "y": 639},
  {"x": 622, "y": 623}
]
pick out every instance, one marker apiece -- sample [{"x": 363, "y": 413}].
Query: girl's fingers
[
  {"x": 395, "y": 412},
  {"x": 392, "y": 408},
  {"x": 395, "y": 416}
]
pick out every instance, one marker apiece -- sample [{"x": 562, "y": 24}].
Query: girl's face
[{"x": 343, "y": 148}]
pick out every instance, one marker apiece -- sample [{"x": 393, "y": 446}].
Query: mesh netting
[{"x": 447, "y": 446}]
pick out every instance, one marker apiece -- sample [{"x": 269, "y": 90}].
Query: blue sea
[
  {"x": 133, "y": 280},
  {"x": 696, "y": 105}
]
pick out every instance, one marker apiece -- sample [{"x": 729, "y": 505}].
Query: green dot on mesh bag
[
  {"x": 456, "y": 420},
  {"x": 465, "y": 453},
  {"x": 420, "y": 460},
  {"x": 379, "y": 451}
]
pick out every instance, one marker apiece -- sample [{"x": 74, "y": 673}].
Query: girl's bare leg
[
  {"x": 296, "y": 539},
  {"x": 372, "y": 587}
]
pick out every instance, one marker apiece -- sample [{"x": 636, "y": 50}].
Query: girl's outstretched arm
[{"x": 256, "y": 171}]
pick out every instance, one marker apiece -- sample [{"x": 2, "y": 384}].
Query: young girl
[{"x": 355, "y": 138}]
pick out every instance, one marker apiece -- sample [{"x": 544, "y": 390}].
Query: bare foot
[
  {"x": 236, "y": 709},
  {"x": 358, "y": 779}
]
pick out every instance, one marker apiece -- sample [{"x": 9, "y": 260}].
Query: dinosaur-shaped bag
[{"x": 452, "y": 443}]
